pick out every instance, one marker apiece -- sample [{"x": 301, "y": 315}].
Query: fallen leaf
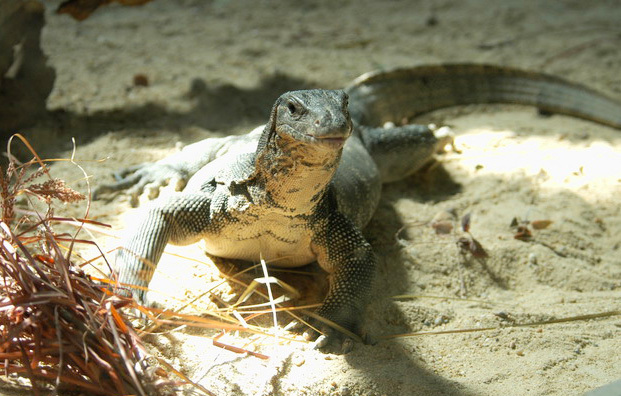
[
  {"x": 540, "y": 224},
  {"x": 523, "y": 233},
  {"x": 465, "y": 222},
  {"x": 442, "y": 227}
]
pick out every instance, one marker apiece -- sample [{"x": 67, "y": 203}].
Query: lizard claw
[
  {"x": 338, "y": 344},
  {"x": 445, "y": 136},
  {"x": 328, "y": 339},
  {"x": 320, "y": 342},
  {"x": 138, "y": 178},
  {"x": 294, "y": 326}
]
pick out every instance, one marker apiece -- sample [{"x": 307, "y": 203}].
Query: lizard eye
[{"x": 292, "y": 108}]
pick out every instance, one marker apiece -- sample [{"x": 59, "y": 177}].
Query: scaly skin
[
  {"x": 301, "y": 188},
  {"x": 280, "y": 203}
]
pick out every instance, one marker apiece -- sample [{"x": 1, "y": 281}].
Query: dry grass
[{"x": 59, "y": 329}]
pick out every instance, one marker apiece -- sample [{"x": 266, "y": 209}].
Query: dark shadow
[
  {"x": 410, "y": 377},
  {"x": 310, "y": 281},
  {"x": 430, "y": 185},
  {"x": 496, "y": 278},
  {"x": 433, "y": 184},
  {"x": 384, "y": 316},
  {"x": 219, "y": 107},
  {"x": 399, "y": 359}
]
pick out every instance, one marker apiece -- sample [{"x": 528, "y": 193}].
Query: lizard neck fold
[{"x": 295, "y": 175}]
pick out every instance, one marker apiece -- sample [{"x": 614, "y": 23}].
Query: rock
[{"x": 25, "y": 78}]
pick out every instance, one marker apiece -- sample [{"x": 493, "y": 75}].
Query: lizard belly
[{"x": 279, "y": 245}]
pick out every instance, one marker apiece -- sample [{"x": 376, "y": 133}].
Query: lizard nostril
[{"x": 317, "y": 123}]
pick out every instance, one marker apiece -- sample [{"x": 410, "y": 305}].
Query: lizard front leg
[
  {"x": 177, "y": 168},
  {"x": 180, "y": 219},
  {"x": 401, "y": 151},
  {"x": 350, "y": 262}
]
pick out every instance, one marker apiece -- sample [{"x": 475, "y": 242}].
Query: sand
[{"x": 215, "y": 67}]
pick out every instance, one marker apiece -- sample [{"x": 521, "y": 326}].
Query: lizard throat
[{"x": 296, "y": 174}]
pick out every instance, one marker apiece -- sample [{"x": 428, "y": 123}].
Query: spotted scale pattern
[{"x": 301, "y": 196}]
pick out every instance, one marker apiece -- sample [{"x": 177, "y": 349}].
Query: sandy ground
[{"x": 215, "y": 67}]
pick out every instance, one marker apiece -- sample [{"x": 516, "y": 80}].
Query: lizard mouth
[
  {"x": 330, "y": 141},
  {"x": 336, "y": 142}
]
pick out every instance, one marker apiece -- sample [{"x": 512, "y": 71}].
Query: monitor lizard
[{"x": 301, "y": 188}]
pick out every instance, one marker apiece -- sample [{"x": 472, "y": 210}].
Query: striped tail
[{"x": 378, "y": 97}]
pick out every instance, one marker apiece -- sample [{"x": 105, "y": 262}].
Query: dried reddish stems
[
  {"x": 12, "y": 182},
  {"x": 57, "y": 327},
  {"x": 15, "y": 181}
]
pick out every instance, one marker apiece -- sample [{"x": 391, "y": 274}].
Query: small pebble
[
  {"x": 532, "y": 259},
  {"x": 431, "y": 21},
  {"x": 520, "y": 353},
  {"x": 512, "y": 345},
  {"x": 443, "y": 221},
  {"x": 502, "y": 315},
  {"x": 443, "y": 227},
  {"x": 298, "y": 360},
  {"x": 141, "y": 80}
]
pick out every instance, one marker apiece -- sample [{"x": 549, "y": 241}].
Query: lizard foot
[
  {"x": 328, "y": 336},
  {"x": 148, "y": 176},
  {"x": 445, "y": 136}
]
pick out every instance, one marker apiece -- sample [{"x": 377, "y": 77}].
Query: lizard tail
[{"x": 379, "y": 97}]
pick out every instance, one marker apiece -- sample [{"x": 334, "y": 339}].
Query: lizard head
[
  {"x": 300, "y": 148},
  {"x": 316, "y": 119}
]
